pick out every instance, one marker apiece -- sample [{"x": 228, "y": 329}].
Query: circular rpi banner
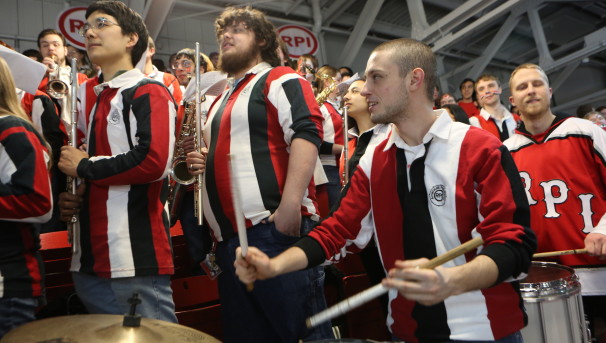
[
  {"x": 299, "y": 40},
  {"x": 69, "y": 22}
]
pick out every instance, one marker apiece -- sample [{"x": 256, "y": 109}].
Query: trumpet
[{"x": 56, "y": 88}]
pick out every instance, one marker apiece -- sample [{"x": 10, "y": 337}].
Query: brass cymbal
[{"x": 101, "y": 328}]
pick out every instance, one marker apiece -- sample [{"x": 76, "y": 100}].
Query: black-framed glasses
[{"x": 99, "y": 24}]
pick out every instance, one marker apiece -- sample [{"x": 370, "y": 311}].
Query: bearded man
[{"x": 270, "y": 124}]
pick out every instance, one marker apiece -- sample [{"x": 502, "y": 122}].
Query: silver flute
[
  {"x": 72, "y": 184},
  {"x": 198, "y": 141}
]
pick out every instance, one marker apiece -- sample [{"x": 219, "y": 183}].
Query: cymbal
[{"x": 101, "y": 328}]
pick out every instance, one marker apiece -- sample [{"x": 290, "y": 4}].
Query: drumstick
[
  {"x": 378, "y": 290},
  {"x": 235, "y": 195},
  {"x": 561, "y": 252}
]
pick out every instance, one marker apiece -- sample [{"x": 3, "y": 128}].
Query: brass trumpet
[{"x": 56, "y": 88}]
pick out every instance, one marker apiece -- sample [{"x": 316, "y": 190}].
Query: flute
[
  {"x": 345, "y": 148},
  {"x": 73, "y": 227},
  {"x": 199, "y": 211}
]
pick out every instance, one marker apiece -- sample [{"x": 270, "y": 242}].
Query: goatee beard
[{"x": 234, "y": 63}]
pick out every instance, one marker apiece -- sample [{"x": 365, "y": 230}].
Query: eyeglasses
[
  {"x": 233, "y": 30},
  {"x": 185, "y": 64},
  {"x": 99, "y": 24}
]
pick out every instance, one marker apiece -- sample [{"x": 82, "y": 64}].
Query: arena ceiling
[{"x": 469, "y": 37}]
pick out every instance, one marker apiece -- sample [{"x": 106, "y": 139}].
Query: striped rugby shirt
[
  {"x": 46, "y": 119},
  {"x": 257, "y": 122},
  {"x": 564, "y": 173},
  {"x": 130, "y": 136},
  {"x": 170, "y": 81},
  {"x": 472, "y": 189},
  {"x": 333, "y": 133},
  {"x": 25, "y": 198}
]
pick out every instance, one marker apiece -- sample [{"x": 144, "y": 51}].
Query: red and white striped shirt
[
  {"x": 256, "y": 122},
  {"x": 25, "y": 198},
  {"x": 472, "y": 189},
  {"x": 170, "y": 81},
  {"x": 130, "y": 136},
  {"x": 333, "y": 133}
]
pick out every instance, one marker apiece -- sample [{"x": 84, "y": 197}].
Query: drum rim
[{"x": 552, "y": 289}]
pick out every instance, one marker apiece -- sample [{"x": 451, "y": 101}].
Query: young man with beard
[
  {"x": 562, "y": 164},
  {"x": 129, "y": 120},
  {"x": 493, "y": 117},
  {"x": 422, "y": 207},
  {"x": 269, "y": 123}
]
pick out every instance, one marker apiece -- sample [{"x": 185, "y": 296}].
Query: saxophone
[
  {"x": 321, "y": 98},
  {"x": 178, "y": 171}
]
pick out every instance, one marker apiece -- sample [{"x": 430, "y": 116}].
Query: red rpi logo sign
[
  {"x": 299, "y": 40},
  {"x": 69, "y": 22}
]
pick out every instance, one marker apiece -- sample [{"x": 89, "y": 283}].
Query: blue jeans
[
  {"x": 110, "y": 296},
  {"x": 513, "y": 338},
  {"x": 276, "y": 309},
  {"x": 15, "y": 312},
  {"x": 333, "y": 187}
]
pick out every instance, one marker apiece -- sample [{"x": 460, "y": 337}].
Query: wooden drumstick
[
  {"x": 561, "y": 252},
  {"x": 240, "y": 225},
  {"x": 377, "y": 290}
]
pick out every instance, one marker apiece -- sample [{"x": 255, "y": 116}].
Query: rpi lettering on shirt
[{"x": 555, "y": 192}]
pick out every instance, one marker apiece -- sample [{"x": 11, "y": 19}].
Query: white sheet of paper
[
  {"x": 212, "y": 83},
  {"x": 26, "y": 72}
]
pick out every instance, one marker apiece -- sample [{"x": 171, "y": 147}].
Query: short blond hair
[{"x": 528, "y": 66}]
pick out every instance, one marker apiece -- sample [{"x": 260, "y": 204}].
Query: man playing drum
[
  {"x": 430, "y": 186},
  {"x": 562, "y": 164}
]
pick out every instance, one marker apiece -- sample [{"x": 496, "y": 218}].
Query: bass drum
[{"x": 552, "y": 297}]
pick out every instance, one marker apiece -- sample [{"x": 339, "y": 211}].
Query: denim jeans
[
  {"x": 15, "y": 312},
  {"x": 513, "y": 338},
  {"x": 333, "y": 187},
  {"x": 110, "y": 296},
  {"x": 276, "y": 309}
]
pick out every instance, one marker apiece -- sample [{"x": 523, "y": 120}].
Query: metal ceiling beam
[
  {"x": 360, "y": 31},
  {"x": 594, "y": 43},
  {"x": 378, "y": 26},
  {"x": 539, "y": 37},
  {"x": 494, "y": 45},
  {"x": 418, "y": 18},
  {"x": 337, "y": 7},
  {"x": 453, "y": 19},
  {"x": 156, "y": 14},
  {"x": 447, "y": 5},
  {"x": 188, "y": 5},
  {"x": 601, "y": 94},
  {"x": 558, "y": 81},
  {"x": 486, "y": 19},
  {"x": 292, "y": 8},
  {"x": 317, "y": 29}
]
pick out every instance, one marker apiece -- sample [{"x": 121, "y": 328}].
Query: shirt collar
[
  {"x": 486, "y": 115},
  {"x": 232, "y": 82},
  {"x": 439, "y": 129},
  {"x": 154, "y": 72},
  {"x": 124, "y": 79}
]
